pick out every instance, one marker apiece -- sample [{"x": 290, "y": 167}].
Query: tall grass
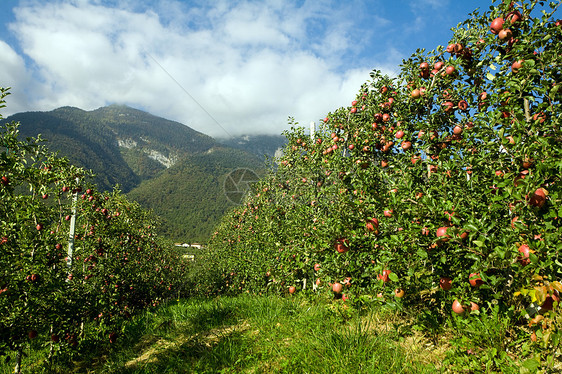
[{"x": 251, "y": 335}]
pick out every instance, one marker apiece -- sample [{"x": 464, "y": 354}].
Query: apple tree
[
  {"x": 68, "y": 299},
  {"x": 438, "y": 187}
]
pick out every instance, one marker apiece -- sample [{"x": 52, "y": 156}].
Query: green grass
[{"x": 248, "y": 334}]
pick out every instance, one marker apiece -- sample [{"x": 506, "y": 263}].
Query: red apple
[
  {"x": 445, "y": 283},
  {"x": 442, "y": 233},
  {"x": 539, "y": 117},
  {"x": 406, "y": 145},
  {"x": 475, "y": 280},
  {"x": 448, "y": 107},
  {"x": 513, "y": 17},
  {"x": 340, "y": 245},
  {"x": 505, "y": 34},
  {"x": 337, "y": 287},
  {"x": 459, "y": 49},
  {"x": 316, "y": 267},
  {"x": 372, "y": 224},
  {"x": 525, "y": 251},
  {"x": 384, "y": 276},
  {"x": 497, "y": 25},
  {"x": 516, "y": 66},
  {"x": 292, "y": 289},
  {"x": 457, "y": 307},
  {"x": 538, "y": 198}
]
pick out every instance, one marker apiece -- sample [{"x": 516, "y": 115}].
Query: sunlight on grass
[
  {"x": 268, "y": 334},
  {"x": 264, "y": 335}
]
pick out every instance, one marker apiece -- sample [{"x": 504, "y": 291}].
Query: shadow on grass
[
  {"x": 204, "y": 353},
  {"x": 204, "y": 337}
]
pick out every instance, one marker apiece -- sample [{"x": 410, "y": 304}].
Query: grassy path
[{"x": 263, "y": 335}]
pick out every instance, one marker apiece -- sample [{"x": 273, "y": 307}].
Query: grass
[
  {"x": 298, "y": 334},
  {"x": 266, "y": 334}
]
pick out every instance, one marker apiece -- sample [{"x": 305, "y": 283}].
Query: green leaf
[
  {"x": 501, "y": 251},
  {"x": 530, "y": 366},
  {"x": 479, "y": 243},
  {"x": 490, "y": 76},
  {"x": 393, "y": 277},
  {"x": 554, "y": 90}
]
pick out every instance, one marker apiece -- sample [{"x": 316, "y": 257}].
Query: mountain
[
  {"x": 121, "y": 145},
  {"x": 266, "y": 146},
  {"x": 191, "y": 196},
  {"x": 167, "y": 167}
]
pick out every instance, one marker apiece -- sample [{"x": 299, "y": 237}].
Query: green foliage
[
  {"x": 63, "y": 290},
  {"x": 190, "y": 196},
  {"x": 441, "y": 174}
]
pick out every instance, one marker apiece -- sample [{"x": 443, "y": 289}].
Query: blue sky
[{"x": 223, "y": 67}]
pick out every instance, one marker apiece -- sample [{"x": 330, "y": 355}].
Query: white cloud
[
  {"x": 250, "y": 64},
  {"x": 13, "y": 74}
]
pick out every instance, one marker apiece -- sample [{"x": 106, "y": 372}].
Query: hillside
[
  {"x": 189, "y": 196},
  {"x": 121, "y": 145},
  {"x": 168, "y": 167}
]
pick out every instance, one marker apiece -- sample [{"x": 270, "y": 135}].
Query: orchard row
[
  {"x": 55, "y": 281},
  {"x": 439, "y": 189}
]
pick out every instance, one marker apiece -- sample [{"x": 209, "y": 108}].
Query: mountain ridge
[{"x": 146, "y": 156}]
